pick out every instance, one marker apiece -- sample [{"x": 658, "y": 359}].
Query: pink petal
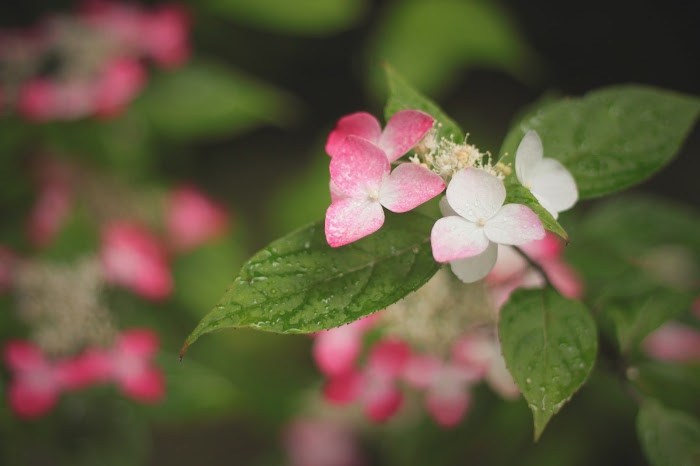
[
  {"x": 528, "y": 156},
  {"x": 321, "y": 442},
  {"x": 138, "y": 342},
  {"x": 408, "y": 186},
  {"x": 147, "y": 386},
  {"x": 564, "y": 278},
  {"x": 193, "y": 219},
  {"x": 164, "y": 35},
  {"x": 348, "y": 220},
  {"x": 674, "y": 342},
  {"x": 381, "y": 399},
  {"x": 475, "y": 194},
  {"x": 475, "y": 268},
  {"x": 359, "y": 168},
  {"x": 420, "y": 370},
  {"x": 548, "y": 248},
  {"x": 403, "y": 131},
  {"x": 448, "y": 407},
  {"x": 30, "y": 401},
  {"x": 92, "y": 367},
  {"x": 553, "y": 186},
  {"x": 23, "y": 356},
  {"x": 360, "y": 124},
  {"x": 514, "y": 224},
  {"x": 38, "y": 99},
  {"x": 336, "y": 350},
  {"x": 388, "y": 358},
  {"x": 117, "y": 85},
  {"x": 509, "y": 266},
  {"x": 455, "y": 238},
  {"x": 475, "y": 351},
  {"x": 344, "y": 388}
]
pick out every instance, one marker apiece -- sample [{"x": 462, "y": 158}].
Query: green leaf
[
  {"x": 304, "y": 17},
  {"x": 550, "y": 345},
  {"x": 668, "y": 437},
  {"x": 206, "y": 99},
  {"x": 299, "y": 284},
  {"x": 612, "y": 138},
  {"x": 518, "y": 194},
  {"x": 427, "y": 42},
  {"x": 404, "y": 96}
]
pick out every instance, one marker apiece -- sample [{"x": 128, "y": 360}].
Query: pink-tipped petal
[
  {"x": 548, "y": 248},
  {"x": 360, "y": 124},
  {"x": 388, "y": 358},
  {"x": 359, "y": 168},
  {"x": 564, "y": 278},
  {"x": 454, "y": 238},
  {"x": 476, "y": 267},
  {"x": 94, "y": 366},
  {"x": 447, "y": 406},
  {"x": 147, "y": 386},
  {"x": 138, "y": 342},
  {"x": 382, "y": 399},
  {"x": 513, "y": 225},
  {"x": 674, "y": 342},
  {"x": 420, "y": 370},
  {"x": 528, "y": 156},
  {"x": 408, "y": 186},
  {"x": 344, "y": 388},
  {"x": 554, "y": 186},
  {"x": 30, "y": 401},
  {"x": 403, "y": 131},
  {"x": 475, "y": 351},
  {"x": 23, "y": 356},
  {"x": 348, "y": 220},
  {"x": 336, "y": 350},
  {"x": 192, "y": 218},
  {"x": 475, "y": 194}
]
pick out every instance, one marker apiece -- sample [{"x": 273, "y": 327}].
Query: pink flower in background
[
  {"x": 37, "y": 99},
  {"x": 117, "y": 85},
  {"x": 363, "y": 183},
  {"x": 8, "y": 263},
  {"x": 133, "y": 257},
  {"x": 131, "y": 366},
  {"x": 193, "y": 219},
  {"x": 403, "y": 131},
  {"x": 36, "y": 384},
  {"x": 53, "y": 203},
  {"x": 319, "y": 442},
  {"x": 165, "y": 35},
  {"x": 336, "y": 350},
  {"x": 673, "y": 342}
]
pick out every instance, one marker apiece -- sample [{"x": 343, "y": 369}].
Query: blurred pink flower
[
  {"x": 53, "y": 203},
  {"x": 316, "y": 442},
  {"x": 673, "y": 342},
  {"x": 117, "y": 85},
  {"x": 133, "y": 257},
  {"x": 336, "y": 350},
  {"x": 132, "y": 368},
  {"x": 165, "y": 35},
  {"x": 192, "y": 218}
]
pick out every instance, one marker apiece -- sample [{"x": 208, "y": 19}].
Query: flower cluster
[
  {"x": 475, "y": 217},
  {"x": 38, "y": 381},
  {"x": 438, "y": 342},
  {"x": 90, "y": 63}
]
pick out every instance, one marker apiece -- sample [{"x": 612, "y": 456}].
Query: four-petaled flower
[
  {"x": 476, "y": 221},
  {"x": 362, "y": 182},
  {"x": 547, "y": 179}
]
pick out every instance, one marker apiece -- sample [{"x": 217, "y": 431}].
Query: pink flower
[
  {"x": 362, "y": 183},
  {"x": 673, "y": 342},
  {"x": 133, "y": 258},
  {"x": 131, "y": 366},
  {"x": 164, "y": 35},
  {"x": 476, "y": 221},
  {"x": 193, "y": 219},
  {"x": 117, "y": 85},
  {"x": 37, "y": 99},
  {"x": 53, "y": 203},
  {"x": 36, "y": 384},
  {"x": 403, "y": 131},
  {"x": 336, "y": 350},
  {"x": 317, "y": 442}
]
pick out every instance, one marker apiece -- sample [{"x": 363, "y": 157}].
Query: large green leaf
[
  {"x": 550, "y": 345},
  {"x": 304, "y": 17},
  {"x": 207, "y": 99},
  {"x": 299, "y": 284},
  {"x": 612, "y": 138},
  {"x": 431, "y": 42},
  {"x": 403, "y": 95},
  {"x": 668, "y": 437}
]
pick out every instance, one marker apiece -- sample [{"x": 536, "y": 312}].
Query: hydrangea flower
[
  {"x": 192, "y": 218},
  {"x": 476, "y": 221},
  {"x": 362, "y": 183},
  {"x": 403, "y": 131},
  {"x": 547, "y": 179}
]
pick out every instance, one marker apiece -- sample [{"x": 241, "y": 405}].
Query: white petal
[
  {"x": 475, "y": 268},
  {"x": 475, "y": 194},
  {"x": 528, "y": 156},
  {"x": 552, "y": 185},
  {"x": 456, "y": 238},
  {"x": 514, "y": 224},
  {"x": 445, "y": 208}
]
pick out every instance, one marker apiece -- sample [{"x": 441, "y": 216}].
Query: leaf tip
[{"x": 183, "y": 350}]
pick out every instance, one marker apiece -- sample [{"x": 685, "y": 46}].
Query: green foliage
[
  {"x": 299, "y": 284},
  {"x": 303, "y": 17},
  {"x": 403, "y": 95},
  {"x": 668, "y": 437},
  {"x": 518, "y": 194},
  {"x": 550, "y": 345},
  {"x": 205, "y": 99},
  {"x": 430, "y": 42},
  {"x": 610, "y": 139}
]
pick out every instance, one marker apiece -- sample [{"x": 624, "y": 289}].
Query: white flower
[
  {"x": 476, "y": 221},
  {"x": 547, "y": 179}
]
